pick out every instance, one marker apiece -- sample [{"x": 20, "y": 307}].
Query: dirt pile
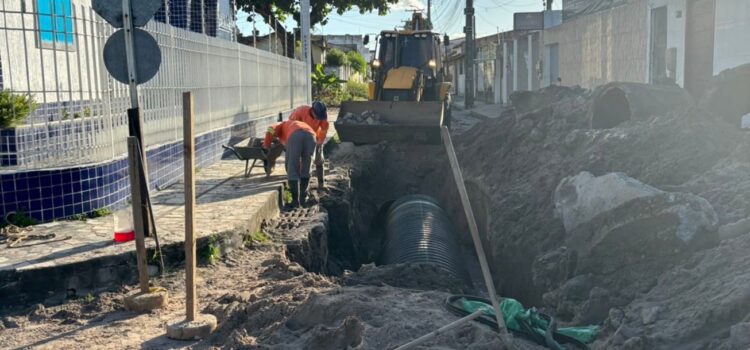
[{"x": 519, "y": 160}]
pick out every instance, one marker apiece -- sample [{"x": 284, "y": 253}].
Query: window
[{"x": 55, "y": 22}]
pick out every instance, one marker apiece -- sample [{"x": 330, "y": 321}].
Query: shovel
[{"x": 319, "y": 167}]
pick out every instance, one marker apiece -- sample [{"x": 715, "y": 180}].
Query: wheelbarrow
[{"x": 254, "y": 152}]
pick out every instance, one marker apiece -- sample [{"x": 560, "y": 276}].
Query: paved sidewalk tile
[{"x": 226, "y": 200}]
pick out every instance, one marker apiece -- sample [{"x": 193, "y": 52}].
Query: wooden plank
[
  {"x": 459, "y": 178},
  {"x": 189, "y": 154},
  {"x": 135, "y": 127},
  {"x": 139, "y": 223}
]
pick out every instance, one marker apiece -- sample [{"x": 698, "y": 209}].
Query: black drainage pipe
[{"x": 418, "y": 231}]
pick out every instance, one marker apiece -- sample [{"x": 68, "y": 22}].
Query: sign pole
[
  {"x": 130, "y": 52},
  {"x": 134, "y": 118},
  {"x": 126, "y": 43}
]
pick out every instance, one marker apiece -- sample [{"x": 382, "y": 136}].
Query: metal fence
[{"x": 80, "y": 115}]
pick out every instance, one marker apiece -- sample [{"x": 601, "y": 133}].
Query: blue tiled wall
[{"x": 47, "y": 195}]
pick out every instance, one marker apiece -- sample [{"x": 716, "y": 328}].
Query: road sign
[
  {"x": 528, "y": 21},
  {"x": 111, "y": 10},
  {"x": 147, "y": 54}
]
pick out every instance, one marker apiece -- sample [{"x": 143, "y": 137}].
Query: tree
[
  {"x": 336, "y": 57},
  {"x": 356, "y": 61},
  {"x": 320, "y": 9},
  {"x": 274, "y": 12}
]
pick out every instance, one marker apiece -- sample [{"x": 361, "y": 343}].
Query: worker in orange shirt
[
  {"x": 316, "y": 116},
  {"x": 299, "y": 140}
]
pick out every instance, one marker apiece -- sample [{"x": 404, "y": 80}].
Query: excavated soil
[{"x": 693, "y": 298}]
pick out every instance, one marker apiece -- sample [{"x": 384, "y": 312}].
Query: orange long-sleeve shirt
[
  {"x": 283, "y": 130},
  {"x": 320, "y": 127}
]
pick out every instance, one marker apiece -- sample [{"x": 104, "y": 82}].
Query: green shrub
[
  {"x": 210, "y": 253},
  {"x": 258, "y": 237},
  {"x": 356, "y": 61},
  {"x": 21, "y": 219},
  {"x": 333, "y": 96},
  {"x": 336, "y": 57},
  {"x": 356, "y": 90},
  {"x": 287, "y": 195},
  {"x": 14, "y": 108},
  {"x": 97, "y": 213}
]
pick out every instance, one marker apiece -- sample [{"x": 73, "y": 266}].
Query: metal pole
[
  {"x": 305, "y": 23},
  {"x": 469, "y": 55},
  {"x": 441, "y": 330},
  {"x": 254, "y": 29},
  {"x": 130, "y": 53},
  {"x": 429, "y": 11}
]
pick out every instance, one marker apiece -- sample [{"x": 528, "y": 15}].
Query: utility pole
[
  {"x": 305, "y": 38},
  {"x": 429, "y": 11},
  {"x": 469, "y": 55}
]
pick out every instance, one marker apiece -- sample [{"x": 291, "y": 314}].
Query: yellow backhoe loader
[{"x": 408, "y": 91}]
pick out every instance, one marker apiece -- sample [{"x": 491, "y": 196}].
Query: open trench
[{"x": 362, "y": 185}]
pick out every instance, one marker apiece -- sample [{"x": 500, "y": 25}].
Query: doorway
[{"x": 658, "y": 67}]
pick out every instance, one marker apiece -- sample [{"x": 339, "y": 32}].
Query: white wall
[
  {"x": 52, "y": 74},
  {"x": 732, "y": 35}
]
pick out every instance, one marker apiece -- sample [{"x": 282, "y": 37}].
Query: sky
[{"x": 491, "y": 16}]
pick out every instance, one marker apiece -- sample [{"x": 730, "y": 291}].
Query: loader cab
[{"x": 408, "y": 67}]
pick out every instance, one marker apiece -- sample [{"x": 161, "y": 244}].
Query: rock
[
  {"x": 617, "y": 212},
  {"x": 145, "y": 302},
  {"x": 367, "y": 117},
  {"x": 734, "y": 229},
  {"x": 37, "y": 313},
  {"x": 198, "y": 329},
  {"x": 580, "y": 198},
  {"x": 650, "y": 314},
  {"x": 739, "y": 335}
]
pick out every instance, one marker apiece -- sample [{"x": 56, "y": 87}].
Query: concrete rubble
[{"x": 366, "y": 117}]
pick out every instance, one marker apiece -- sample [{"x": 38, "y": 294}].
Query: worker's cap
[{"x": 319, "y": 110}]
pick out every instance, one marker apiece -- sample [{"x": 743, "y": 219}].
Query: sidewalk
[
  {"x": 89, "y": 259},
  {"x": 481, "y": 109}
]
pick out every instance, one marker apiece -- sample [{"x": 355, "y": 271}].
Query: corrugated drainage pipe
[{"x": 418, "y": 231}]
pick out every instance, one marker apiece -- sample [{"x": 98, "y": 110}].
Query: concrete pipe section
[
  {"x": 618, "y": 102},
  {"x": 418, "y": 231}
]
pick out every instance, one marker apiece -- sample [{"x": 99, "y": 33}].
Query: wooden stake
[
  {"x": 134, "y": 168},
  {"x": 474, "y": 232},
  {"x": 189, "y": 152}
]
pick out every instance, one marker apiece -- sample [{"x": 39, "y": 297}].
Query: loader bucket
[{"x": 404, "y": 122}]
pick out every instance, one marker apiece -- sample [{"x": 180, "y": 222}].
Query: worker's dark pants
[{"x": 299, "y": 150}]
